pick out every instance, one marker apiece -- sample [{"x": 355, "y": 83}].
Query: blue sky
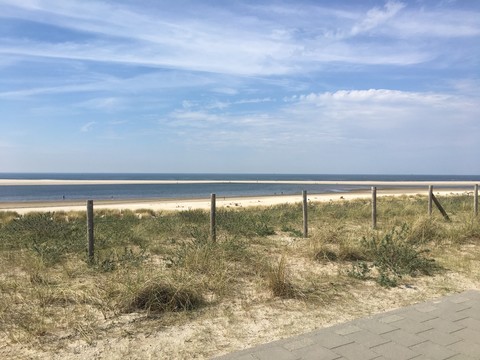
[{"x": 240, "y": 86}]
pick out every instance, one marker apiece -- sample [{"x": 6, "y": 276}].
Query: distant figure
[{"x": 63, "y": 197}]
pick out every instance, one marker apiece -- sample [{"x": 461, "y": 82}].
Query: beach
[{"x": 454, "y": 188}]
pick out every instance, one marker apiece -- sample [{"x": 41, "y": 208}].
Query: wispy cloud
[
  {"x": 88, "y": 126},
  {"x": 106, "y": 104},
  {"x": 131, "y": 35},
  {"x": 377, "y": 16}
]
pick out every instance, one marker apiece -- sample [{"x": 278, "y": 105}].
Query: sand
[{"x": 221, "y": 202}]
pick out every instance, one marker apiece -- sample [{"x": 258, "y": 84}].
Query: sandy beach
[{"x": 226, "y": 202}]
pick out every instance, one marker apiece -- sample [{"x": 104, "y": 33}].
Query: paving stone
[
  {"x": 376, "y": 327},
  {"x": 394, "y": 351},
  {"x": 444, "y": 325},
  {"x": 473, "y": 312},
  {"x": 315, "y": 352},
  {"x": 277, "y": 353},
  {"x": 450, "y": 315},
  {"x": 404, "y": 338},
  {"x": 468, "y": 335},
  {"x": 418, "y": 316},
  {"x": 451, "y": 306},
  {"x": 460, "y": 357},
  {"x": 391, "y": 318},
  {"x": 439, "y": 337},
  {"x": 434, "y": 351},
  {"x": 466, "y": 348},
  {"x": 412, "y": 326},
  {"x": 350, "y": 329},
  {"x": 367, "y": 338},
  {"x": 298, "y": 343},
  {"x": 459, "y": 299},
  {"x": 330, "y": 340},
  {"x": 355, "y": 351},
  {"x": 472, "y": 324},
  {"x": 426, "y": 308}
]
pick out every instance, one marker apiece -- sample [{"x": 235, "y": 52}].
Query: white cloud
[
  {"x": 376, "y": 17},
  {"x": 373, "y": 118},
  {"x": 88, "y": 126}
]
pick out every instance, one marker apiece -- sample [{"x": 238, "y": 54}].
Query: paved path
[{"x": 446, "y": 328}]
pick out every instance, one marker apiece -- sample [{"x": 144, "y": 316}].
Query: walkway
[{"x": 446, "y": 328}]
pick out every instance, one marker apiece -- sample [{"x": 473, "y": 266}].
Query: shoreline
[
  {"x": 48, "y": 182},
  {"x": 180, "y": 204}
]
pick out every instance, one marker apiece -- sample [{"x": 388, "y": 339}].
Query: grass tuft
[
  {"x": 161, "y": 297},
  {"x": 279, "y": 280}
]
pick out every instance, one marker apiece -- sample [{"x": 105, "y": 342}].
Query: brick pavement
[{"x": 446, "y": 328}]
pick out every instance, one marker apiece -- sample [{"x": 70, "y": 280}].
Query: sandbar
[{"x": 46, "y": 182}]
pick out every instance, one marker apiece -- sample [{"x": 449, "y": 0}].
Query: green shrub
[{"x": 393, "y": 256}]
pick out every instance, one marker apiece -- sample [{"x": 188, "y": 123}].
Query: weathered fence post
[
  {"x": 430, "y": 199},
  {"x": 440, "y": 207},
  {"x": 90, "y": 232},
  {"x": 374, "y": 207},
  {"x": 305, "y": 214},
  {"x": 475, "y": 200},
  {"x": 213, "y": 229}
]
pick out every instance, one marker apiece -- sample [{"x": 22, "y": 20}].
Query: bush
[{"x": 393, "y": 257}]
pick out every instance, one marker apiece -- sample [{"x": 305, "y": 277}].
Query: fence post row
[
  {"x": 305, "y": 213},
  {"x": 90, "y": 232},
  {"x": 374, "y": 207},
  {"x": 213, "y": 230},
  {"x": 475, "y": 200}
]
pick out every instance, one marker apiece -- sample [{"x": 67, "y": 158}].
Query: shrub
[{"x": 393, "y": 256}]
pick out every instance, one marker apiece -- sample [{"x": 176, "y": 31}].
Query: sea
[{"x": 43, "y": 193}]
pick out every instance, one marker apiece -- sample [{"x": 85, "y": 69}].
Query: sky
[{"x": 304, "y": 86}]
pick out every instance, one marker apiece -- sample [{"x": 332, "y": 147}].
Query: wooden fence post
[
  {"x": 305, "y": 214},
  {"x": 213, "y": 229},
  {"x": 90, "y": 232},
  {"x": 374, "y": 207},
  {"x": 475, "y": 200},
  {"x": 430, "y": 199},
  {"x": 440, "y": 207}
]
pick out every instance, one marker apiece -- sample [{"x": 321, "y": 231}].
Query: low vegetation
[{"x": 160, "y": 269}]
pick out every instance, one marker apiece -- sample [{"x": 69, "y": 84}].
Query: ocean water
[{"x": 168, "y": 191}]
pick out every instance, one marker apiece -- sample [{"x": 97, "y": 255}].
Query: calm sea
[{"x": 165, "y": 191}]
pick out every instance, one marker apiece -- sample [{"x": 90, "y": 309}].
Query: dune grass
[{"x": 151, "y": 264}]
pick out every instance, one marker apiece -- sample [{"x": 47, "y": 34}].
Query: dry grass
[{"x": 159, "y": 288}]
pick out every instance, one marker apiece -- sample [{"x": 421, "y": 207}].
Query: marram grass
[{"x": 164, "y": 262}]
